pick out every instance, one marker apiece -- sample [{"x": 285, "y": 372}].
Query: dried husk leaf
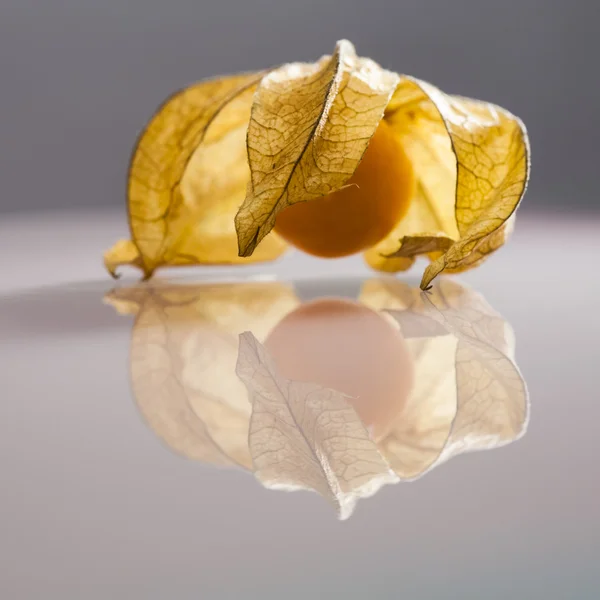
[
  {"x": 124, "y": 252},
  {"x": 309, "y": 127},
  {"x": 187, "y": 179},
  {"x": 471, "y": 161},
  {"x": 304, "y": 436},
  {"x": 306, "y": 127},
  {"x": 184, "y": 349}
]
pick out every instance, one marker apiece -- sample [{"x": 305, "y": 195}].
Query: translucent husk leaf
[
  {"x": 471, "y": 161},
  {"x": 304, "y": 436},
  {"x": 184, "y": 348},
  {"x": 187, "y": 179},
  {"x": 309, "y": 127}
]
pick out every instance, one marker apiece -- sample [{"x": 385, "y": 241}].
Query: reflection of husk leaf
[
  {"x": 468, "y": 392},
  {"x": 184, "y": 349}
]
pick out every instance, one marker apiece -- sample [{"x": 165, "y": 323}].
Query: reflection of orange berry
[
  {"x": 363, "y": 212},
  {"x": 348, "y": 347}
]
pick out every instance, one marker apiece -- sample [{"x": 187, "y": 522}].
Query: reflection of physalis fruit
[
  {"x": 335, "y": 157},
  {"x": 344, "y": 396},
  {"x": 345, "y": 346}
]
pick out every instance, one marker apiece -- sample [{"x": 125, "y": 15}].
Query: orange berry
[{"x": 360, "y": 214}]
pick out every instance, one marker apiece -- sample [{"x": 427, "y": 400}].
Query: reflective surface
[{"x": 128, "y": 473}]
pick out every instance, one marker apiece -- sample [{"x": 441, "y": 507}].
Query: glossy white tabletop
[{"x": 95, "y": 505}]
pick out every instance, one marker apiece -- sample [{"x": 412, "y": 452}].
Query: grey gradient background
[{"x": 80, "y": 77}]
